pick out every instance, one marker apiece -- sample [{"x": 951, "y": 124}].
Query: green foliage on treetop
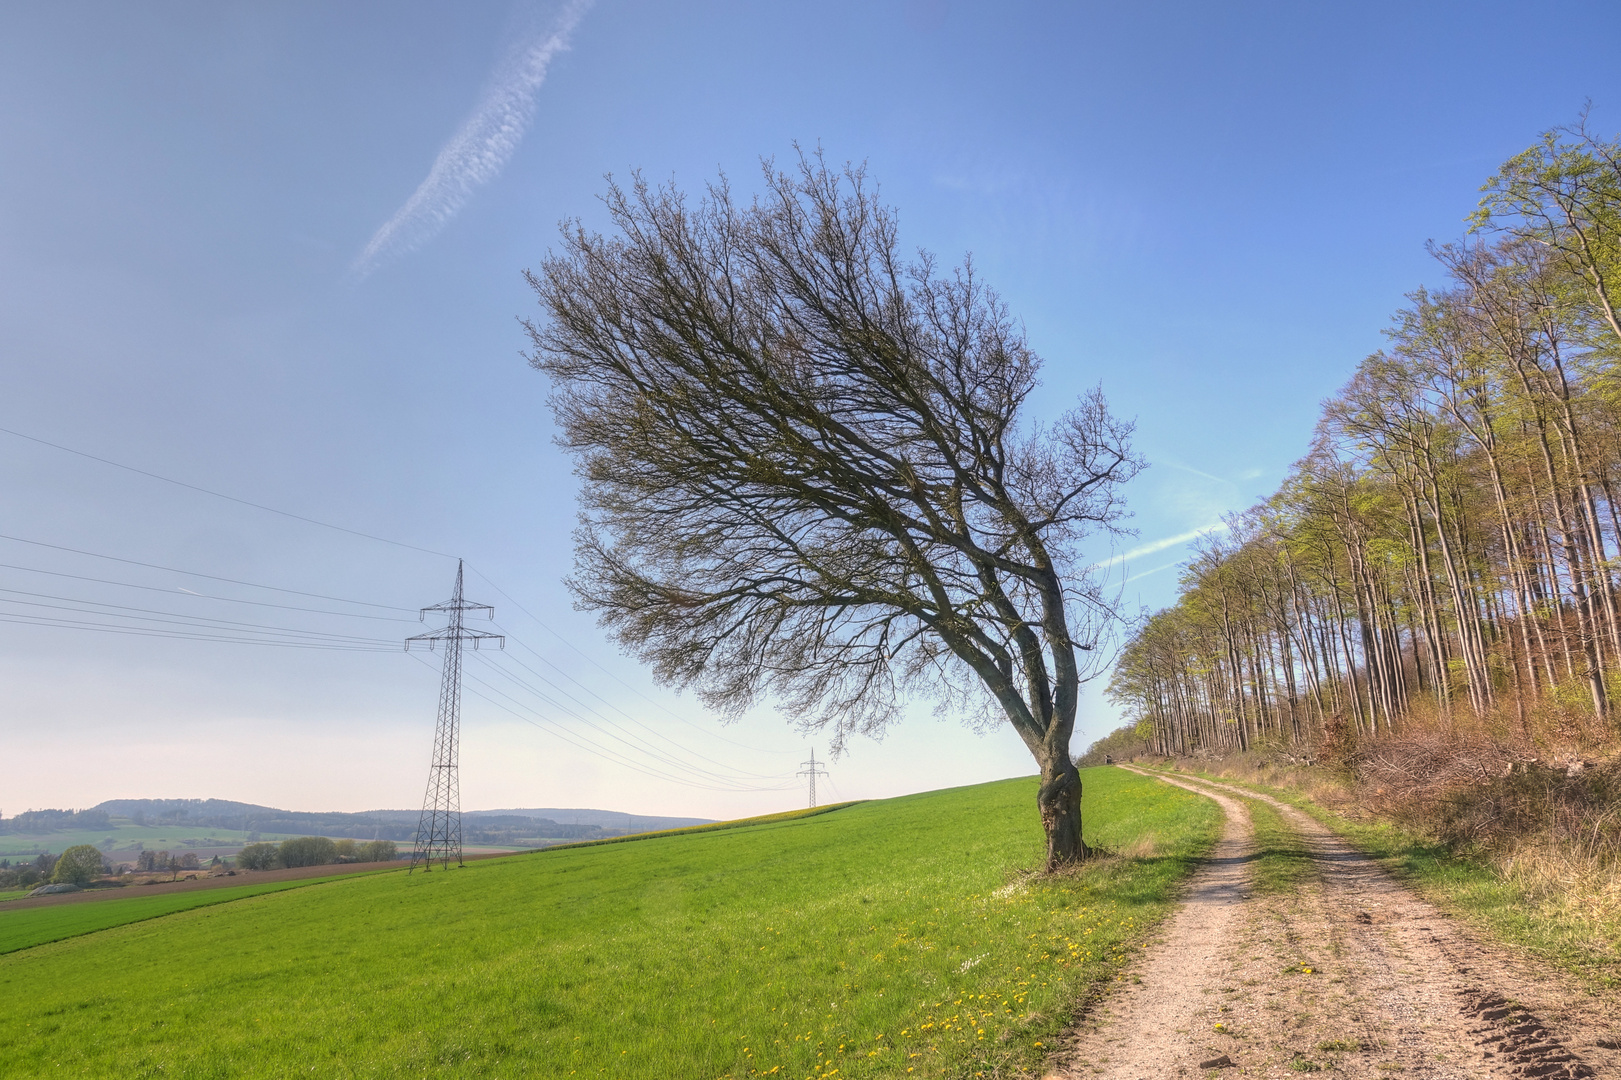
[{"x": 79, "y": 865}]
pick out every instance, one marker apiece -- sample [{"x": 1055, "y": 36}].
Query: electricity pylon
[
  {"x": 439, "y": 830},
  {"x": 812, "y": 769}
]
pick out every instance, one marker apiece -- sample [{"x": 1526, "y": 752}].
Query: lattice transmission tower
[
  {"x": 439, "y": 830},
  {"x": 812, "y": 769}
]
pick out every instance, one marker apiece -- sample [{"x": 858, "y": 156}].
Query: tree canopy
[
  {"x": 79, "y": 865},
  {"x": 1450, "y": 542},
  {"x": 809, "y": 470}
]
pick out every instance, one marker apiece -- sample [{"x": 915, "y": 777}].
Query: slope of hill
[
  {"x": 606, "y": 819},
  {"x": 890, "y": 938},
  {"x": 122, "y": 828}
]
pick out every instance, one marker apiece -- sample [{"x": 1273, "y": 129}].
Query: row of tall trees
[{"x": 1451, "y": 540}]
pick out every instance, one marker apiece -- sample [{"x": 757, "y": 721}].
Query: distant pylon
[
  {"x": 439, "y": 830},
  {"x": 812, "y": 769}
]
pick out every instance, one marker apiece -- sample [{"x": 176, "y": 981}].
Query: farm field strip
[
  {"x": 42, "y": 925},
  {"x": 122, "y": 836},
  {"x": 895, "y": 938}
]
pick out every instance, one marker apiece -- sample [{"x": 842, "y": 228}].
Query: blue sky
[{"x": 1210, "y": 209}]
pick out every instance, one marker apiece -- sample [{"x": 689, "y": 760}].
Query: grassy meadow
[
  {"x": 124, "y": 835},
  {"x": 902, "y": 937},
  {"x": 56, "y": 922},
  {"x": 1282, "y": 861}
]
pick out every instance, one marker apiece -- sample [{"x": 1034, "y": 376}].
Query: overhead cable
[
  {"x": 594, "y": 663},
  {"x": 536, "y": 719},
  {"x": 222, "y": 495},
  {"x": 94, "y": 607},
  {"x": 615, "y": 708},
  {"x": 194, "y": 573},
  {"x": 246, "y": 628},
  {"x": 210, "y": 596},
  {"x": 630, "y": 739},
  {"x": 138, "y": 631}
]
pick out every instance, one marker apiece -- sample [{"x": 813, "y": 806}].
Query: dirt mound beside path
[{"x": 1351, "y": 975}]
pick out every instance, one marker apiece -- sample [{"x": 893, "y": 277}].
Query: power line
[
  {"x": 744, "y": 781},
  {"x": 254, "y": 633},
  {"x": 198, "y": 574},
  {"x": 222, "y": 495},
  {"x": 545, "y": 724},
  {"x": 439, "y": 829},
  {"x": 267, "y": 635},
  {"x": 594, "y": 663},
  {"x": 812, "y": 769},
  {"x": 837, "y": 794},
  {"x": 179, "y": 635},
  {"x": 615, "y": 724},
  {"x": 618, "y": 755},
  {"x": 578, "y": 742},
  {"x": 203, "y": 596},
  {"x": 199, "y": 626},
  {"x": 177, "y": 617},
  {"x": 673, "y": 715},
  {"x": 352, "y": 532},
  {"x": 706, "y": 778},
  {"x": 173, "y": 625}
]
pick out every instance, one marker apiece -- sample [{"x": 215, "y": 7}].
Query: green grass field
[
  {"x": 39, "y": 926},
  {"x": 892, "y": 938},
  {"x": 124, "y": 835},
  {"x": 1282, "y": 862},
  {"x": 56, "y": 922}
]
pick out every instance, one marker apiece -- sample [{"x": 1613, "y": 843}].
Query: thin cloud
[
  {"x": 1149, "y": 573},
  {"x": 1190, "y": 469},
  {"x": 480, "y": 149},
  {"x": 1160, "y": 545}
]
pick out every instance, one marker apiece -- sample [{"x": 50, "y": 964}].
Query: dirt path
[{"x": 1351, "y": 975}]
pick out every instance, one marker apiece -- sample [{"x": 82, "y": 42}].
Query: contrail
[
  {"x": 1191, "y": 469},
  {"x": 479, "y": 150},
  {"x": 1147, "y": 573},
  {"x": 1172, "y": 541},
  {"x": 1160, "y": 545}
]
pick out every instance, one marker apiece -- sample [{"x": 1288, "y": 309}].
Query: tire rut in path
[{"x": 1351, "y": 975}]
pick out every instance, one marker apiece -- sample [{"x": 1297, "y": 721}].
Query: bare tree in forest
[{"x": 808, "y": 472}]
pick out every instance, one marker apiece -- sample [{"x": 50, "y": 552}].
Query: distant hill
[
  {"x": 491, "y": 828},
  {"x": 607, "y": 819}
]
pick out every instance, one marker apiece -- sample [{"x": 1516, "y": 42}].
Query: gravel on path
[{"x": 1350, "y": 975}]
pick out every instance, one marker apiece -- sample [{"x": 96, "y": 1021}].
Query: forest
[{"x": 1445, "y": 554}]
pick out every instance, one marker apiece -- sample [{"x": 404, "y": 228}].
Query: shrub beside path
[{"x": 1351, "y": 974}]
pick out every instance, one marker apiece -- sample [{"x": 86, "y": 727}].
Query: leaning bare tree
[{"x": 807, "y": 472}]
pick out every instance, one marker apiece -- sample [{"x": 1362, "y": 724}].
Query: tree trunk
[{"x": 1059, "y": 800}]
